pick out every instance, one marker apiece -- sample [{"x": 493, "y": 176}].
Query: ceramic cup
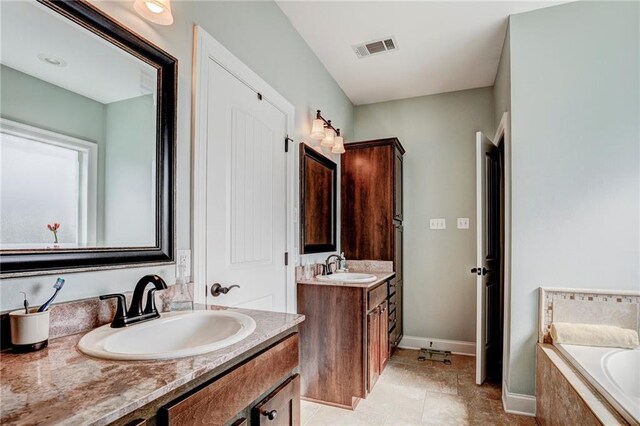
[{"x": 29, "y": 332}]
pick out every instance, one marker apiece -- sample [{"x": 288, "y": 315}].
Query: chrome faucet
[
  {"x": 328, "y": 262},
  {"x": 136, "y": 314}
]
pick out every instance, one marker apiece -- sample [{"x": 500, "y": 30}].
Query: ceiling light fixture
[
  {"x": 52, "y": 60},
  {"x": 156, "y": 11},
  {"x": 329, "y": 136}
]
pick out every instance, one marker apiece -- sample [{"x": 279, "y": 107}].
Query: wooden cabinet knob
[{"x": 271, "y": 415}]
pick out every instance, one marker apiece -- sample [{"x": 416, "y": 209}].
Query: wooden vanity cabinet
[
  {"x": 237, "y": 396},
  {"x": 372, "y": 213},
  {"x": 344, "y": 341}
]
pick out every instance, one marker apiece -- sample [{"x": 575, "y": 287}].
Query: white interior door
[
  {"x": 245, "y": 195},
  {"x": 484, "y": 147}
]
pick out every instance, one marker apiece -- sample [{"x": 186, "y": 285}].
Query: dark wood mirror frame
[
  {"x": 38, "y": 262},
  {"x": 318, "y": 183}
]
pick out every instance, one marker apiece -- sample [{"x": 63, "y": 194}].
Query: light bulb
[
  {"x": 156, "y": 11},
  {"x": 154, "y": 7}
]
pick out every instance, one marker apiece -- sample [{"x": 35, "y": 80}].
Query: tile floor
[{"x": 410, "y": 392}]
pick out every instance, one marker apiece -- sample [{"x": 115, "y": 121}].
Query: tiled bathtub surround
[
  {"x": 80, "y": 316},
  {"x": 563, "y": 396},
  {"x": 562, "y": 392},
  {"x": 606, "y": 307}
]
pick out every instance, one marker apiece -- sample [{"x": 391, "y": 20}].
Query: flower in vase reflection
[{"x": 53, "y": 227}]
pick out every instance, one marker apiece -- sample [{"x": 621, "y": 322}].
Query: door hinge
[
  {"x": 287, "y": 139},
  {"x": 286, "y": 258},
  {"x": 259, "y": 96}
]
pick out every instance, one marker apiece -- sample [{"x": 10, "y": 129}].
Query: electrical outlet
[
  {"x": 184, "y": 258},
  {"x": 439, "y": 223},
  {"x": 463, "y": 223}
]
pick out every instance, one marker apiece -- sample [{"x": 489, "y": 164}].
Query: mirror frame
[
  {"x": 307, "y": 152},
  {"x": 41, "y": 262}
]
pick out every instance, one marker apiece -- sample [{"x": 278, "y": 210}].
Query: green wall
[
  {"x": 575, "y": 100},
  {"x": 130, "y": 155}
]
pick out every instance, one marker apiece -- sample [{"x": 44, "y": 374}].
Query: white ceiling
[
  {"x": 95, "y": 68},
  {"x": 443, "y": 46}
]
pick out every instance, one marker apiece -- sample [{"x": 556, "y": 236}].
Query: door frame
[
  {"x": 503, "y": 133},
  {"x": 205, "y": 48}
]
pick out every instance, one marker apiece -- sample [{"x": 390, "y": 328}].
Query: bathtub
[{"x": 614, "y": 372}]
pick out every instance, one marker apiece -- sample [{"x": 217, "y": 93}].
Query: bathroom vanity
[
  {"x": 252, "y": 382},
  {"x": 344, "y": 340}
]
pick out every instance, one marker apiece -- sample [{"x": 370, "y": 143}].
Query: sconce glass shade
[
  {"x": 338, "y": 145},
  {"x": 329, "y": 137},
  {"x": 317, "y": 130},
  {"x": 156, "y": 11}
]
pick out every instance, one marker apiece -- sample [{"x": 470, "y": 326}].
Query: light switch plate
[
  {"x": 438, "y": 223},
  {"x": 463, "y": 223},
  {"x": 183, "y": 257}
]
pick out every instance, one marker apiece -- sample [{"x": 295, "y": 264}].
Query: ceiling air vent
[{"x": 375, "y": 47}]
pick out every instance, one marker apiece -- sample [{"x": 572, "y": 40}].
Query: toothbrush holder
[{"x": 29, "y": 332}]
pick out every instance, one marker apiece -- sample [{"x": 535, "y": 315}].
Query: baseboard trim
[
  {"x": 455, "y": 346},
  {"x": 515, "y": 403}
]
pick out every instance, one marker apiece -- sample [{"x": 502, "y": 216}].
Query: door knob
[
  {"x": 217, "y": 289},
  {"x": 271, "y": 415},
  {"x": 480, "y": 271}
]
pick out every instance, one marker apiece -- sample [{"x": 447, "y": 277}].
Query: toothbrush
[
  {"x": 26, "y": 303},
  {"x": 58, "y": 285}
]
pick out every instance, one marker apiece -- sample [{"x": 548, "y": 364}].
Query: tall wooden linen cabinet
[{"x": 371, "y": 219}]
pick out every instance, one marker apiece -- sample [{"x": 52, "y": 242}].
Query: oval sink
[
  {"x": 348, "y": 277},
  {"x": 173, "y": 335}
]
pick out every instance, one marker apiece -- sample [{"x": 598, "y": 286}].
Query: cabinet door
[
  {"x": 383, "y": 346},
  {"x": 281, "y": 407},
  {"x": 397, "y": 244},
  {"x": 397, "y": 188},
  {"x": 373, "y": 345}
]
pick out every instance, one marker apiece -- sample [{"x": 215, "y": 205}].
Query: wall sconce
[
  {"x": 156, "y": 11},
  {"x": 322, "y": 130}
]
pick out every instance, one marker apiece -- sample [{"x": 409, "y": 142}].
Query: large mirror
[
  {"x": 87, "y": 127},
  {"x": 317, "y": 201}
]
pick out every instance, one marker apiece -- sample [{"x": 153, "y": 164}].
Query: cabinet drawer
[
  {"x": 392, "y": 318},
  {"x": 392, "y": 285},
  {"x": 393, "y": 301},
  {"x": 393, "y": 334},
  {"x": 281, "y": 407},
  {"x": 220, "y": 401},
  {"x": 376, "y": 296}
]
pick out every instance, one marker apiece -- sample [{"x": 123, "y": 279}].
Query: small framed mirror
[
  {"x": 87, "y": 134},
  {"x": 318, "y": 182}
]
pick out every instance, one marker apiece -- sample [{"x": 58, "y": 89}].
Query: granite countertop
[
  {"x": 381, "y": 276},
  {"x": 60, "y": 385}
]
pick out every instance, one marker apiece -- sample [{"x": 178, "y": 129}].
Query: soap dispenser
[
  {"x": 182, "y": 299},
  {"x": 343, "y": 262}
]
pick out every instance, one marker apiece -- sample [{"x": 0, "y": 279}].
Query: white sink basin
[
  {"x": 348, "y": 277},
  {"x": 173, "y": 335}
]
